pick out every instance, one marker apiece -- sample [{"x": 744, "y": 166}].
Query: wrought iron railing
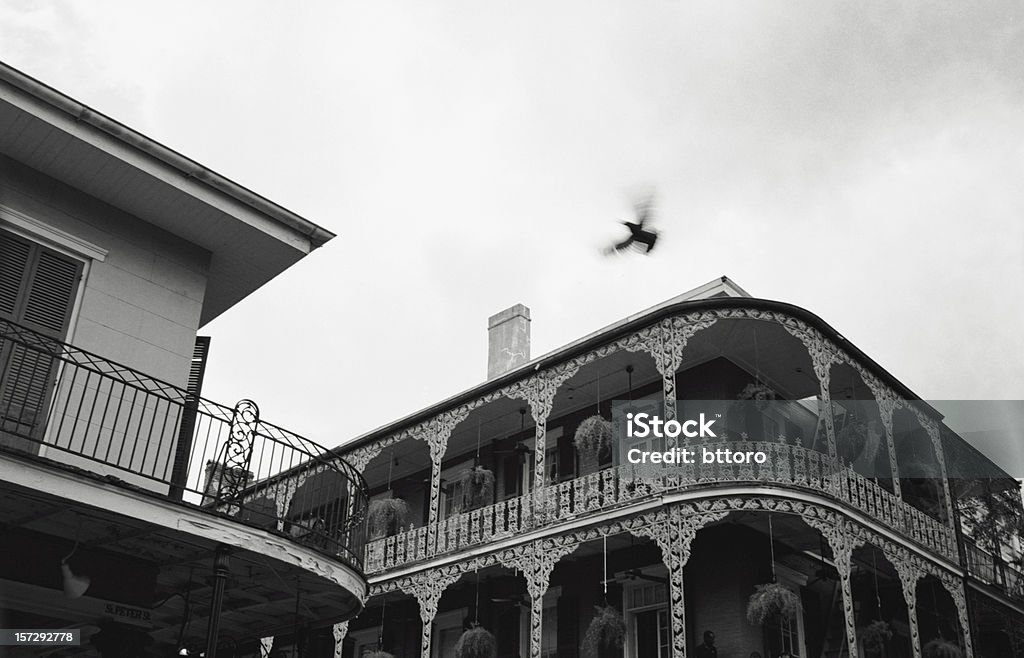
[
  {"x": 984, "y": 566},
  {"x": 786, "y": 465},
  {"x": 80, "y": 409}
]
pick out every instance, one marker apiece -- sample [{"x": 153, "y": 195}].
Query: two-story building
[
  {"x": 119, "y": 483},
  {"x": 503, "y": 507}
]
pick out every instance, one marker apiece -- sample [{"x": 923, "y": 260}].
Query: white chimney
[{"x": 508, "y": 340}]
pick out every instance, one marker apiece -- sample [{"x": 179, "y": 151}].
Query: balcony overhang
[
  {"x": 250, "y": 239},
  {"x": 124, "y": 534}
]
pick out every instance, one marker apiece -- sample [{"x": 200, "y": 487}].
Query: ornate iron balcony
[
  {"x": 78, "y": 409},
  {"x": 788, "y": 467}
]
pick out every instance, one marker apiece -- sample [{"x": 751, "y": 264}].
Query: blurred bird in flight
[{"x": 639, "y": 236}]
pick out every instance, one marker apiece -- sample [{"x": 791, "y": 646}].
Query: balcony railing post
[{"x": 237, "y": 452}]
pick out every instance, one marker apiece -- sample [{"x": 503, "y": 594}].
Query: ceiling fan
[{"x": 636, "y": 574}]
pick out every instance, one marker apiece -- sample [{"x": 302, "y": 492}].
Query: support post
[
  {"x": 908, "y": 579},
  {"x": 221, "y": 570}
]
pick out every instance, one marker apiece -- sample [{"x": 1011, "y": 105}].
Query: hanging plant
[
  {"x": 922, "y": 485},
  {"x": 760, "y": 394},
  {"x": 386, "y": 517},
  {"x": 477, "y": 485},
  {"x": 939, "y": 648},
  {"x": 771, "y": 601},
  {"x": 593, "y": 436},
  {"x": 875, "y": 635},
  {"x": 378, "y": 654},
  {"x": 851, "y": 440},
  {"x": 607, "y": 630},
  {"x": 476, "y": 642}
]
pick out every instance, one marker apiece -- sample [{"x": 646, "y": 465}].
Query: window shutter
[
  {"x": 197, "y": 370},
  {"x": 14, "y": 255},
  {"x": 37, "y": 285},
  {"x": 51, "y": 294},
  {"x": 183, "y": 449},
  {"x": 37, "y": 290}
]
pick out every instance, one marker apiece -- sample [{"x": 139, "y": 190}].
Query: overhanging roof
[{"x": 251, "y": 239}]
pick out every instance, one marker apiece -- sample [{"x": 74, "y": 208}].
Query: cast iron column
[{"x": 220, "y": 576}]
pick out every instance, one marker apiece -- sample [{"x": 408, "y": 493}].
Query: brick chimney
[{"x": 508, "y": 340}]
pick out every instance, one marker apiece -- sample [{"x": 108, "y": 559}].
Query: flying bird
[{"x": 639, "y": 237}]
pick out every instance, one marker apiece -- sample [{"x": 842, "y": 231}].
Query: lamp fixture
[{"x": 74, "y": 586}]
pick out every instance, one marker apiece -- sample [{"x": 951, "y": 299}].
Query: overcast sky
[{"x": 864, "y": 160}]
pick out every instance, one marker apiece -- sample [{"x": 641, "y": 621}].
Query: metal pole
[{"x": 221, "y": 569}]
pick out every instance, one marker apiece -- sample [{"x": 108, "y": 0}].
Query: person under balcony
[{"x": 707, "y": 649}]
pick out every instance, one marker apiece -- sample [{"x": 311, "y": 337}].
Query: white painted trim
[
  {"x": 33, "y": 229},
  {"x": 36, "y": 476}
]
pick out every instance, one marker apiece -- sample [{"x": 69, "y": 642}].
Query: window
[
  {"x": 38, "y": 287},
  {"x": 448, "y": 627},
  {"x": 653, "y": 634},
  {"x": 451, "y": 498},
  {"x": 647, "y": 615},
  {"x": 551, "y": 460},
  {"x": 787, "y": 635},
  {"x": 365, "y": 641}
]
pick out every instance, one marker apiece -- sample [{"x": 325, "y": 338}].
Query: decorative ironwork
[
  {"x": 823, "y": 354},
  {"x": 536, "y": 564},
  {"x": 909, "y": 571},
  {"x": 427, "y": 587},
  {"x": 888, "y": 402},
  {"x": 251, "y": 466},
  {"x": 673, "y": 528},
  {"x": 436, "y": 433},
  {"x": 237, "y": 452},
  {"x": 954, "y": 585},
  {"x": 932, "y": 428},
  {"x": 339, "y": 631},
  {"x": 539, "y": 392},
  {"x": 792, "y": 467}
]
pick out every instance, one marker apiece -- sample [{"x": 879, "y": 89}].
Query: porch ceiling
[{"x": 264, "y": 595}]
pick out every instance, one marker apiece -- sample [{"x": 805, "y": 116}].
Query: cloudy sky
[{"x": 864, "y": 160}]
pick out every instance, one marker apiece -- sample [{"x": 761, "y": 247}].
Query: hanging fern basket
[
  {"x": 760, "y": 394},
  {"x": 593, "y": 436},
  {"x": 939, "y": 648},
  {"x": 477, "y": 642},
  {"x": 875, "y": 635},
  {"x": 772, "y": 601},
  {"x": 477, "y": 485},
  {"x": 852, "y": 440},
  {"x": 386, "y": 517},
  {"x": 606, "y": 633}
]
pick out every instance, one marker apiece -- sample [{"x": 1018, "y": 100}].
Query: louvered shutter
[
  {"x": 14, "y": 255},
  {"x": 183, "y": 449},
  {"x": 51, "y": 293},
  {"x": 37, "y": 290}
]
